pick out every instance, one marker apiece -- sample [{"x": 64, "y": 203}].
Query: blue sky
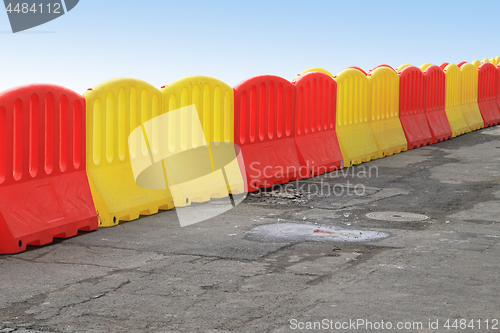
[{"x": 161, "y": 41}]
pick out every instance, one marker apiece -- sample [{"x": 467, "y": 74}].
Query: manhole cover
[
  {"x": 397, "y": 216},
  {"x": 298, "y": 232}
]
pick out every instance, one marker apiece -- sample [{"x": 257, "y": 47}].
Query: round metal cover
[{"x": 397, "y": 216}]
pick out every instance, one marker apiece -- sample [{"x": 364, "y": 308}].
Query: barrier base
[
  {"x": 318, "y": 153},
  {"x": 270, "y": 163},
  {"x": 36, "y": 212},
  {"x": 416, "y": 129},
  {"x": 473, "y": 116},
  {"x": 201, "y": 174},
  {"x": 389, "y": 137},
  {"x": 439, "y": 125},
  {"x": 457, "y": 121},
  {"x": 490, "y": 112},
  {"x": 357, "y": 144},
  {"x": 118, "y": 198},
  {"x": 227, "y": 156}
]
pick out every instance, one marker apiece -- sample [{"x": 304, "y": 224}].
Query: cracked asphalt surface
[{"x": 151, "y": 275}]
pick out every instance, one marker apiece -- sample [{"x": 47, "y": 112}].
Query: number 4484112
[
  {"x": 24, "y": 8},
  {"x": 462, "y": 324}
]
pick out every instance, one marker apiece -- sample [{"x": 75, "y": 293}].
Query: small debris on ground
[{"x": 280, "y": 196}]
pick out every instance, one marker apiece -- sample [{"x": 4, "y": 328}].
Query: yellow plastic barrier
[
  {"x": 401, "y": 67},
  {"x": 214, "y": 102},
  {"x": 485, "y": 60},
  {"x": 493, "y": 60},
  {"x": 497, "y": 59},
  {"x": 356, "y": 140},
  {"x": 178, "y": 152},
  {"x": 313, "y": 69},
  {"x": 476, "y": 63},
  {"x": 384, "y": 112},
  {"x": 424, "y": 66},
  {"x": 470, "y": 107},
  {"x": 114, "y": 109},
  {"x": 453, "y": 105}
]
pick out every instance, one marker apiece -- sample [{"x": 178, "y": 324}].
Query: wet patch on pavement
[{"x": 297, "y": 232}]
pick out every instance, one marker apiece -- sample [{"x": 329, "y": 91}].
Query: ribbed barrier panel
[
  {"x": 498, "y": 85},
  {"x": 470, "y": 107},
  {"x": 435, "y": 96},
  {"x": 384, "y": 111},
  {"x": 214, "y": 102},
  {"x": 356, "y": 139},
  {"x": 487, "y": 94},
  {"x": 411, "y": 107},
  {"x": 453, "y": 101},
  {"x": 114, "y": 109},
  {"x": 44, "y": 192},
  {"x": 315, "y": 111},
  {"x": 263, "y": 123},
  {"x": 195, "y": 170}
]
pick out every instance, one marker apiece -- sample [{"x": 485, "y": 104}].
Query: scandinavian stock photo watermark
[
  {"x": 344, "y": 182},
  {"x": 366, "y": 325}
]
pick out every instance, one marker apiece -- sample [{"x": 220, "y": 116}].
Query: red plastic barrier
[
  {"x": 315, "y": 111},
  {"x": 487, "y": 94},
  {"x": 443, "y": 65},
  {"x": 411, "y": 107},
  {"x": 498, "y": 85},
  {"x": 263, "y": 129},
  {"x": 461, "y": 63},
  {"x": 435, "y": 93},
  {"x": 44, "y": 191}
]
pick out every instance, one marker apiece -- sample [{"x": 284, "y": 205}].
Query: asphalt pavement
[{"x": 410, "y": 241}]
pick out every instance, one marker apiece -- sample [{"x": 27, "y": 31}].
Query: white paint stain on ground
[
  {"x": 295, "y": 232},
  {"x": 491, "y": 131}
]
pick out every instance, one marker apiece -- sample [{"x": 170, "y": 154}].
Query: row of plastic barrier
[{"x": 124, "y": 149}]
